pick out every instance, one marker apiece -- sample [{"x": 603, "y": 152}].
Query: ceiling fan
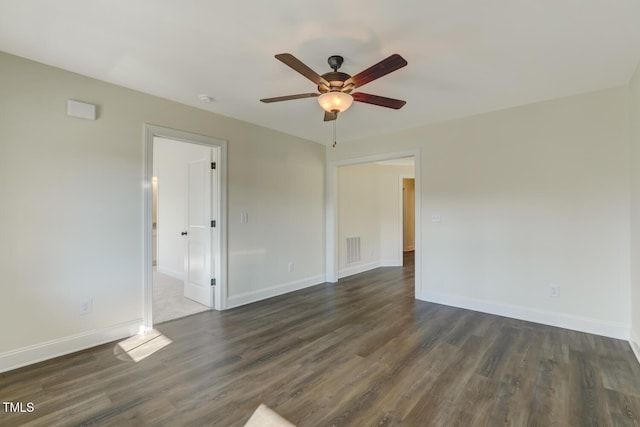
[{"x": 334, "y": 88}]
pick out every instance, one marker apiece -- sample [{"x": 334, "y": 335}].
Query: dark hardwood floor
[{"x": 361, "y": 353}]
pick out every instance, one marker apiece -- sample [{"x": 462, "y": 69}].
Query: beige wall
[
  {"x": 359, "y": 215},
  {"x": 528, "y": 197},
  {"x": 634, "y": 97},
  {"x": 71, "y": 221}
]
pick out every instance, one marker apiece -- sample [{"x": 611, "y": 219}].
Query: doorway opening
[
  {"x": 408, "y": 215},
  {"x": 408, "y": 209},
  {"x": 343, "y": 230},
  {"x": 185, "y": 224}
]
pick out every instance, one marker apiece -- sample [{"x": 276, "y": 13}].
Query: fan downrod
[{"x": 335, "y": 62}]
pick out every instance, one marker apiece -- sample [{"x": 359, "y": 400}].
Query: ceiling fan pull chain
[{"x": 334, "y": 134}]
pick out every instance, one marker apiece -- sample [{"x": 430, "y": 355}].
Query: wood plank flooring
[{"x": 363, "y": 352}]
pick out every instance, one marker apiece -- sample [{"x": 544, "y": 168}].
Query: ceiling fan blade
[
  {"x": 367, "y": 98},
  {"x": 289, "y": 97},
  {"x": 298, "y": 66},
  {"x": 382, "y": 68},
  {"x": 330, "y": 116}
]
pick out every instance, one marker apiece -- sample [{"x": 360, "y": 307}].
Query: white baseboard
[
  {"x": 357, "y": 269},
  {"x": 635, "y": 344},
  {"x": 48, "y": 350},
  {"x": 361, "y": 268},
  {"x": 581, "y": 324},
  {"x": 173, "y": 273},
  {"x": 274, "y": 291}
]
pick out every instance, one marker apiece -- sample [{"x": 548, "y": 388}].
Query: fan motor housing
[{"x": 336, "y": 81}]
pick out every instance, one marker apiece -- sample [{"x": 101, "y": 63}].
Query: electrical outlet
[
  {"x": 291, "y": 267},
  {"x": 86, "y": 306},
  {"x": 554, "y": 291}
]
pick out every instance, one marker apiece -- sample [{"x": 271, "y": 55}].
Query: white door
[{"x": 199, "y": 229}]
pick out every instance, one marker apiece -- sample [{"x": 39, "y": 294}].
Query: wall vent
[{"x": 353, "y": 250}]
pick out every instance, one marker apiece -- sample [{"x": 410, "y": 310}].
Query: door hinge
[
  {"x": 213, "y": 282},
  {"x": 213, "y": 223},
  {"x": 213, "y": 165}
]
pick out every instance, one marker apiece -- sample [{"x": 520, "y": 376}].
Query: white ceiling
[{"x": 465, "y": 57}]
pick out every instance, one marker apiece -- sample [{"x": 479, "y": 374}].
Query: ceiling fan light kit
[{"x": 335, "y": 101}]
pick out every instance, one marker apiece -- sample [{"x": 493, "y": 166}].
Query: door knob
[{"x": 184, "y": 233}]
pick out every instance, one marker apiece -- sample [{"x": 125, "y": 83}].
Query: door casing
[{"x": 221, "y": 291}]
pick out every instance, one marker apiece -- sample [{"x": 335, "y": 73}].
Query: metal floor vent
[{"x": 353, "y": 250}]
